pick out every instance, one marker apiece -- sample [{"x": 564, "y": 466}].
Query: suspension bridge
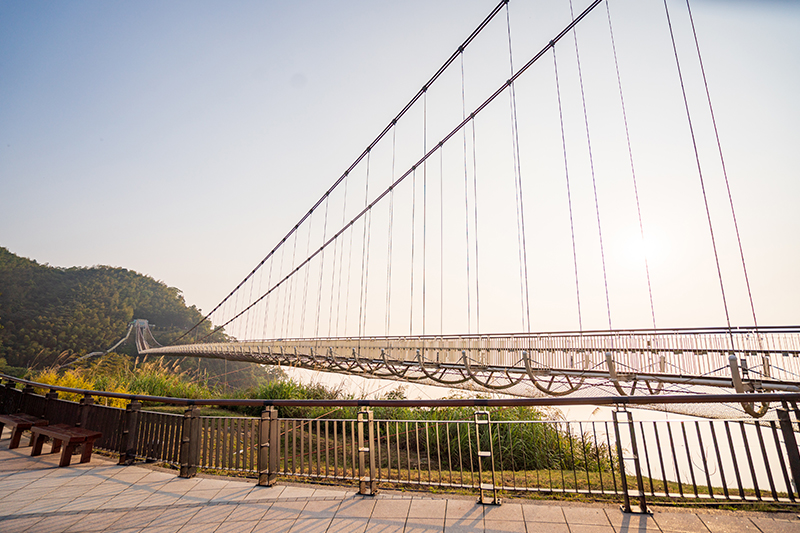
[{"x": 479, "y": 210}]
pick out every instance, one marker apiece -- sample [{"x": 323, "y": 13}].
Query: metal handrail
[{"x": 764, "y": 397}]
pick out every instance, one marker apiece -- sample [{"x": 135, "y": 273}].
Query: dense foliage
[{"x": 49, "y": 316}]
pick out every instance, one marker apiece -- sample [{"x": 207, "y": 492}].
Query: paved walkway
[{"x": 37, "y": 496}]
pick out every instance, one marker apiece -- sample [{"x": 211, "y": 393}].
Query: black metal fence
[{"x": 641, "y": 460}]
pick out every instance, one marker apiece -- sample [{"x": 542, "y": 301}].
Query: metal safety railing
[{"x": 632, "y": 456}]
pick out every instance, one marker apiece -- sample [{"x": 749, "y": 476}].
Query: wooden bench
[
  {"x": 18, "y": 423},
  {"x": 68, "y": 436}
]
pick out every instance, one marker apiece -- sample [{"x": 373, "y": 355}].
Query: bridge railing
[{"x": 633, "y": 456}]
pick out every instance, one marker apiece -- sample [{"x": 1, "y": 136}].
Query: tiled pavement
[{"x": 37, "y": 496}]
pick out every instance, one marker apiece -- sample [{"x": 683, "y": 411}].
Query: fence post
[
  {"x": 86, "y": 404},
  {"x": 790, "y": 442},
  {"x": 626, "y": 507},
  {"x": 485, "y": 454},
  {"x": 367, "y": 484},
  {"x": 268, "y": 442},
  {"x": 48, "y": 404},
  {"x": 190, "y": 442},
  {"x": 127, "y": 442},
  {"x": 27, "y": 390},
  {"x": 5, "y": 400}
]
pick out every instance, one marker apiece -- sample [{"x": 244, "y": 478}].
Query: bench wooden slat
[
  {"x": 68, "y": 436},
  {"x": 18, "y": 423}
]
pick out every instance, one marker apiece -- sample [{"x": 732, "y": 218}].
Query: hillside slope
[{"x": 46, "y": 311}]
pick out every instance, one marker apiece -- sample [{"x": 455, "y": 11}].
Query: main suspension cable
[
  {"x": 439, "y": 145},
  {"x": 363, "y": 154}
]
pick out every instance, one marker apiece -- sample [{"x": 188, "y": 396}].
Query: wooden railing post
[
  {"x": 27, "y": 391},
  {"x": 7, "y": 397},
  {"x": 190, "y": 442},
  {"x": 367, "y": 484},
  {"x": 127, "y": 441},
  {"x": 48, "y": 405},
  {"x": 86, "y": 404},
  {"x": 268, "y": 442}
]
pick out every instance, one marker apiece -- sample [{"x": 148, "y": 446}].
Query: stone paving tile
[
  {"x": 727, "y": 524},
  {"x": 332, "y": 493},
  {"x": 549, "y": 527},
  {"x": 174, "y": 517},
  {"x": 348, "y": 525},
  {"x": 50, "y": 482},
  {"x": 769, "y": 525},
  {"x": 56, "y": 524},
  {"x": 427, "y": 508},
  {"x": 158, "y": 499},
  {"x": 160, "y": 529},
  {"x": 466, "y": 510},
  {"x": 4, "y": 492},
  {"x": 249, "y": 512},
  {"x": 197, "y": 497},
  {"x": 15, "y": 484},
  {"x": 25, "y": 494},
  {"x": 391, "y": 509},
  {"x": 236, "y": 527},
  {"x": 504, "y": 526},
  {"x": 631, "y": 522},
  {"x": 588, "y": 528},
  {"x": 214, "y": 483},
  {"x": 97, "y": 521},
  {"x": 155, "y": 478},
  {"x": 180, "y": 484},
  {"x": 11, "y": 508},
  {"x": 385, "y": 525},
  {"x": 507, "y": 511},
  {"x": 265, "y": 526},
  {"x": 552, "y": 514},
  {"x": 265, "y": 493},
  {"x": 125, "y": 500},
  {"x": 319, "y": 509},
  {"x": 208, "y": 527},
  {"x": 284, "y": 510},
  {"x": 232, "y": 494},
  {"x": 106, "y": 489},
  {"x": 73, "y": 492},
  {"x": 356, "y": 508},
  {"x": 311, "y": 525},
  {"x": 212, "y": 514},
  {"x": 585, "y": 516},
  {"x": 18, "y": 525},
  {"x": 139, "y": 518},
  {"x": 424, "y": 525},
  {"x": 297, "y": 492},
  {"x": 45, "y": 505},
  {"x": 459, "y": 525}
]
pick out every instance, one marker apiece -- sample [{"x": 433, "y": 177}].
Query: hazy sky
[{"x": 184, "y": 139}]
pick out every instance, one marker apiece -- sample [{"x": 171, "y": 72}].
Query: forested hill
[{"x": 45, "y": 311}]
